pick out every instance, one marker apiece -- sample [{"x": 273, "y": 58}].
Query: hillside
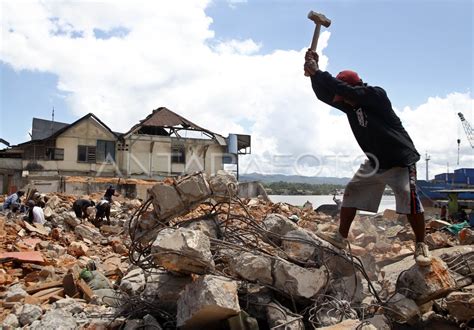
[{"x": 268, "y": 178}]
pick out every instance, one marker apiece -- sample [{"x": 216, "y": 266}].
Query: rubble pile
[{"x": 196, "y": 256}]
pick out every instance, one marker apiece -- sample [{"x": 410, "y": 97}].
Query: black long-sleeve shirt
[{"x": 376, "y": 127}]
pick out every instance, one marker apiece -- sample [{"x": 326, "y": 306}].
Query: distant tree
[{"x": 291, "y": 188}]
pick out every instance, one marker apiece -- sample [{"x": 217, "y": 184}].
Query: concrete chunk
[
  {"x": 222, "y": 184},
  {"x": 252, "y": 267},
  {"x": 193, "y": 188},
  {"x": 402, "y": 308},
  {"x": 161, "y": 287},
  {"x": 423, "y": 284},
  {"x": 280, "y": 317},
  {"x": 166, "y": 200},
  {"x": 164, "y": 289},
  {"x": 56, "y": 319},
  {"x": 29, "y": 313},
  {"x": 461, "y": 305},
  {"x": 77, "y": 249},
  {"x": 10, "y": 322},
  {"x": 209, "y": 227},
  {"x": 183, "y": 250},
  {"x": 299, "y": 244},
  {"x": 279, "y": 225},
  {"x": 298, "y": 282},
  {"x": 207, "y": 301},
  {"x": 15, "y": 293},
  {"x": 89, "y": 233}
]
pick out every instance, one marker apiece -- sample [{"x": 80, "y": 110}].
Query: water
[{"x": 388, "y": 202}]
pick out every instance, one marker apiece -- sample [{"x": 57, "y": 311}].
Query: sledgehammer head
[{"x": 319, "y": 18}]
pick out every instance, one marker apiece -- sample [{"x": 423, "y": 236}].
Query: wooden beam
[{"x": 43, "y": 286}]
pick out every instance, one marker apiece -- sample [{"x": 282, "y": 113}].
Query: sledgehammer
[{"x": 318, "y": 19}]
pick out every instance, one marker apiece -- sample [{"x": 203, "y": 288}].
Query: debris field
[{"x": 196, "y": 256}]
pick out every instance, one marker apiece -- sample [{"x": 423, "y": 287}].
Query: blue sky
[{"x": 122, "y": 61}]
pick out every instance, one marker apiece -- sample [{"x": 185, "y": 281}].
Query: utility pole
[
  {"x": 52, "y": 121},
  {"x": 427, "y": 159}
]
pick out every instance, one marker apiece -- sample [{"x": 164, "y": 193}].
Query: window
[
  {"x": 105, "y": 151},
  {"x": 86, "y": 154},
  {"x": 55, "y": 154},
  {"x": 178, "y": 154}
]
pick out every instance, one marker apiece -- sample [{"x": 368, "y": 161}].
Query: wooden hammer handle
[{"x": 314, "y": 43}]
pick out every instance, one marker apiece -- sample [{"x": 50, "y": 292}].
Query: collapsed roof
[{"x": 165, "y": 122}]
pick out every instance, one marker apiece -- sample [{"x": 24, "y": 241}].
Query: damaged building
[{"x": 163, "y": 144}]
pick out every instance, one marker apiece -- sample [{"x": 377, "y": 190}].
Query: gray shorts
[{"x": 365, "y": 190}]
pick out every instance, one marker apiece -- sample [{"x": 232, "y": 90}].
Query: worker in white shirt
[{"x": 35, "y": 213}]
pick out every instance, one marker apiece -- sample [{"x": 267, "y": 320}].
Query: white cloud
[
  {"x": 245, "y": 47},
  {"x": 169, "y": 56}
]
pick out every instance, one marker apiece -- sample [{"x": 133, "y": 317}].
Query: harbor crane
[{"x": 467, "y": 128}]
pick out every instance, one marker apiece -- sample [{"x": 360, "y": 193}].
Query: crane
[{"x": 468, "y": 129}]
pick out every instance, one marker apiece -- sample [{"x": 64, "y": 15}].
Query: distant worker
[
  {"x": 390, "y": 151},
  {"x": 444, "y": 213},
  {"x": 35, "y": 213},
  {"x": 13, "y": 202},
  {"x": 40, "y": 199},
  {"x": 102, "y": 210},
  {"x": 109, "y": 193},
  {"x": 80, "y": 207},
  {"x": 337, "y": 201}
]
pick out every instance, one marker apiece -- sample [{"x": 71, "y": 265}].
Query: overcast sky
[{"x": 236, "y": 67}]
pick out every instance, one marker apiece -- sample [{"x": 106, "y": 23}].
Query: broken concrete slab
[
  {"x": 401, "y": 308},
  {"x": 193, "y": 189},
  {"x": 29, "y": 313},
  {"x": 71, "y": 219},
  {"x": 380, "y": 322},
  {"x": 299, "y": 244},
  {"x": 423, "y": 284},
  {"x": 279, "y": 225},
  {"x": 242, "y": 321},
  {"x": 298, "y": 282},
  {"x": 77, "y": 249},
  {"x": 389, "y": 273},
  {"x": 279, "y": 316},
  {"x": 166, "y": 200},
  {"x": 173, "y": 198},
  {"x": 163, "y": 289},
  {"x": 461, "y": 305},
  {"x": 223, "y": 184},
  {"x": 349, "y": 288},
  {"x": 111, "y": 229},
  {"x": 70, "y": 305},
  {"x": 437, "y": 240},
  {"x": 183, "y": 250},
  {"x": 209, "y": 227},
  {"x": 252, "y": 267},
  {"x": 56, "y": 319},
  {"x": 10, "y": 322},
  {"x": 90, "y": 233},
  {"x": 207, "y": 301},
  {"x": 15, "y": 293},
  {"x": 133, "y": 281},
  {"x": 344, "y": 325}
]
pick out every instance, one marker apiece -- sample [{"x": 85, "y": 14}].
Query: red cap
[{"x": 350, "y": 77}]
